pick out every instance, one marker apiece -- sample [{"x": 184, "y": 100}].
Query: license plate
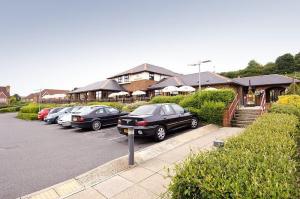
[
  {"x": 75, "y": 119},
  {"x": 125, "y": 130}
]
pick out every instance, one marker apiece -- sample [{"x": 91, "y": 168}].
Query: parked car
[
  {"x": 43, "y": 113},
  {"x": 52, "y": 117},
  {"x": 66, "y": 119},
  {"x": 96, "y": 117},
  {"x": 156, "y": 120}
]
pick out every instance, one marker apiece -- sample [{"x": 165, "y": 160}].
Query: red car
[{"x": 43, "y": 113}]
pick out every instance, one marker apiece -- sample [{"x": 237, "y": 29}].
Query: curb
[{"x": 109, "y": 169}]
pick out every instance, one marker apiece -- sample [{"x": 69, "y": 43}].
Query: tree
[
  {"x": 297, "y": 61},
  {"x": 18, "y": 97},
  {"x": 253, "y": 65},
  {"x": 269, "y": 68},
  {"x": 285, "y": 63}
]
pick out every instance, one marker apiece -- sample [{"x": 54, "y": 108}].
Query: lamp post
[{"x": 199, "y": 64}]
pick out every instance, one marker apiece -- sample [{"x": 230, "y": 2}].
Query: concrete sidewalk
[{"x": 148, "y": 179}]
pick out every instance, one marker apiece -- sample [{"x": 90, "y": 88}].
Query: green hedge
[
  {"x": 167, "y": 99},
  {"x": 131, "y": 107},
  {"x": 34, "y": 108},
  {"x": 196, "y": 100},
  {"x": 9, "y": 109},
  {"x": 285, "y": 108},
  {"x": 27, "y": 116},
  {"x": 260, "y": 163}
]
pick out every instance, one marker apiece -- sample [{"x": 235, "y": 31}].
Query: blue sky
[{"x": 71, "y": 43}]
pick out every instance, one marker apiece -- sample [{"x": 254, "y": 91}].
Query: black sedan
[
  {"x": 94, "y": 117},
  {"x": 156, "y": 120}
]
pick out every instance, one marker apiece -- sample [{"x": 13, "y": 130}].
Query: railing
[
  {"x": 263, "y": 103},
  {"x": 229, "y": 113}
]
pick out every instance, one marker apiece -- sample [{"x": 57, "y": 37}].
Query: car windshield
[
  {"x": 87, "y": 109},
  {"x": 76, "y": 109},
  {"x": 64, "y": 110},
  {"x": 55, "y": 110},
  {"x": 144, "y": 110}
]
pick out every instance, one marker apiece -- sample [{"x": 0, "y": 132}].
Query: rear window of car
[
  {"x": 87, "y": 109},
  {"x": 112, "y": 110},
  {"x": 55, "y": 110},
  {"x": 144, "y": 110},
  {"x": 76, "y": 109}
]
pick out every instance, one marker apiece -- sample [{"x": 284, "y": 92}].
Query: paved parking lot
[{"x": 34, "y": 155}]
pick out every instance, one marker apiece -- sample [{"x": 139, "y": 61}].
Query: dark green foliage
[
  {"x": 293, "y": 89},
  {"x": 260, "y": 163},
  {"x": 284, "y": 64},
  {"x": 212, "y": 112},
  {"x": 167, "y": 99}
]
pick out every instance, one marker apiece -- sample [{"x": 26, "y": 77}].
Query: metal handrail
[{"x": 263, "y": 103}]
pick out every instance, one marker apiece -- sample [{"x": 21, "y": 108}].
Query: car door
[
  {"x": 184, "y": 118},
  {"x": 113, "y": 115},
  {"x": 100, "y": 114},
  {"x": 169, "y": 116}
]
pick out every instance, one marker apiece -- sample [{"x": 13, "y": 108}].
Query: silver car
[{"x": 65, "y": 119}]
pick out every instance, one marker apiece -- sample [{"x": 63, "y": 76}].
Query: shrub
[
  {"x": 167, "y": 99},
  {"x": 260, "y": 163},
  {"x": 196, "y": 100},
  {"x": 285, "y": 108},
  {"x": 133, "y": 106},
  {"x": 27, "y": 116},
  {"x": 294, "y": 88},
  {"x": 116, "y": 105},
  {"x": 34, "y": 108},
  {"x": 289, "y": 99},
  {"x": 212, "y": 112},
  {"x": 9, "y": 109}
]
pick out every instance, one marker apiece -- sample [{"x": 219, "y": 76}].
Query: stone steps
[{"x": 245, "y": 117}]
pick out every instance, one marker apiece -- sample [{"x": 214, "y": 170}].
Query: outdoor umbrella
[
  {"x": 137, "y": 93},
  {"x": 122, "y": 93},
  {"x": 170, "y": 89},
  {"x": 112, "y": 95},
  {"x": 186, "y": 89}
]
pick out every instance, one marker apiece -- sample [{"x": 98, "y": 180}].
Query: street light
[{"x": 199, "y": 64}]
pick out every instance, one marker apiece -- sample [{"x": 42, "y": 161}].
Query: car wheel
[
  {"x": 96, "y": 125},
  {"x": 160, "y": 134},
  {"x": 194, "y": 123}
]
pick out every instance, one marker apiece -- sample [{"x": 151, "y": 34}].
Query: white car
[{"x": 65, "y": 119}]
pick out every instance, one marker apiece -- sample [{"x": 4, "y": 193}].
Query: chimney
[{"x": 8, "y": 89}]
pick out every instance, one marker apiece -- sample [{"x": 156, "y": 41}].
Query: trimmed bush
[
  {"x": 133, "y": 106},
  {"x": 167, "y": 99},
  {"x": 27, "y": 116},
  {"x": 260, "y": 163},
  {"x": 9, "y": 109},
  {"x": 285, "y": 108},
  {"x": 289, "y": 99},
  {"x": 116, "y": 105},
  {"x": 34, "y": 108},
  {"x": 196, "y": 100},
  {"x": 212, "y": 112}
]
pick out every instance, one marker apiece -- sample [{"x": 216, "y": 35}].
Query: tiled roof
[
  {"x": 4, "y": 91},
  {"x": 207, "y": 78},
  {"x": 148, "y": 68},
  {"x": 108, "y": 84},
  {"x": 46, "y": 92},
  {"x": 264, "y": 80}
]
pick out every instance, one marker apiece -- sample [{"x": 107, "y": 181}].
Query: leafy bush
[
  {"x": 133, "y": 106},
  {"x": 260, "y": 163},
  {"x": 285, "y": 108},
  {"x": 196, "y": 100},
  {"x": 167, "y": 99},
  {"x": 9, "y": 109},
  {"x": 116, "y": 105},
  {"x": 212, "y": 112},
  {"x": 34, "y": 108},
  {"x": 293, "y": 89},
  {"x": 27, "y": 116},
  {"x": 289, "y": 99}
]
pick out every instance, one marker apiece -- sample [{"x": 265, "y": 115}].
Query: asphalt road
[{"x": 34, "y": 155}]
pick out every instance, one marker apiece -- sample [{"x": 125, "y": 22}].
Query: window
[
  {"x": 144, "y": 110},
  {"x": 120, "y": 79},
  {"x": 100, "y": 111},
  {"x": 168, "y": 110},
  {"x": 126, "y": 78},
  {"x": 178, "y": 109},
  {"x": 151, "y": 76},
  {"x": 112, "y": 110}
]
